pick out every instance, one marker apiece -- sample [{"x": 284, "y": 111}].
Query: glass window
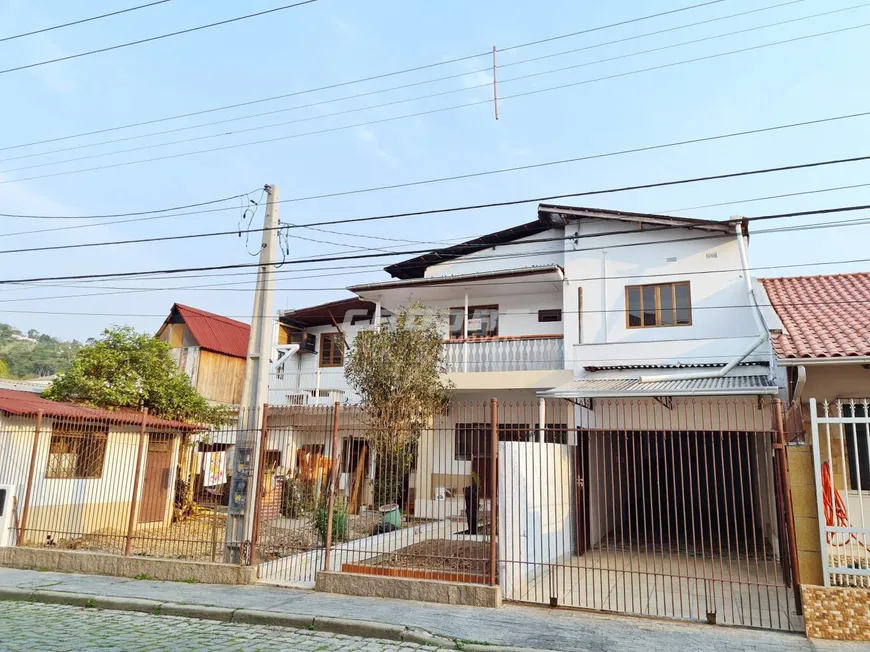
[
  {"x": 666, "y": 304},
  {"x": 483, "y": 322},
  {"x": 684, "y": 304},
  {"x": 662, "y": 304},
  {"x": 648, "y": 295},
  {"x": 633, "y": 307},
  {"x": 331, "y": 350}
]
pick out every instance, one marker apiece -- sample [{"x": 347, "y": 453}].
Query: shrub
[{"x": 339, "y": 521}]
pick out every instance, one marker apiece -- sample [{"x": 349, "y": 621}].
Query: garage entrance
[{"x": 683, "y": 520}]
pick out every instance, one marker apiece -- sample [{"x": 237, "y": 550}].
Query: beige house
[
  {"x": 76, "y": 471},
  {"x": 821, "y": 335}
]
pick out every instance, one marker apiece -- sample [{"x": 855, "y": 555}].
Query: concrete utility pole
[{"x": 255, "y": 393}]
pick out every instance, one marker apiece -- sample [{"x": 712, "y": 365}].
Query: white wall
[
  {"x": 76, "y": 506},
  {"x": 534, "y": 525},
  {"x": 604, "y": 272}
]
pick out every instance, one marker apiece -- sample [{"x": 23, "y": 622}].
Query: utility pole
[{"x": 255, "y": 392}]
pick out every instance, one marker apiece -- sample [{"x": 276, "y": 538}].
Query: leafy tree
[
  {"x": 398, "y": 372},
  {"x": 4, "y": 369},
  {"x": 126, "y": 369}
]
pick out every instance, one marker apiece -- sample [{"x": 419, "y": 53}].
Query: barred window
[{"x": 76, "y": 451}]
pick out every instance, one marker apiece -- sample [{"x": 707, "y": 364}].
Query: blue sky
[{"x": 333, "y": 41}]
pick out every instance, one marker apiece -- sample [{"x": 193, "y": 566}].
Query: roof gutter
[
  {"x": 756, "y": 313},
  {"x": 813, "y": 362}
]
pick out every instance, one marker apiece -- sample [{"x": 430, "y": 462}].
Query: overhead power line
[
  {"x": 369, "y": 268},
  {"x": 517, "y": 168},
  {"x": 82, "y": 20},
  {"x": 223, "y": 287},
  {"x": 392, "y": 103},
  {"x": 156, "y": 38},
  {"x": 360, "y": 256},
  {"x": 431, "y": 111},
  {"x": 287, "y": 227},
  {"x": 148, "y": 212},
  {"x": 410, "y": 85},
  {"x": 362, "y": 79}
]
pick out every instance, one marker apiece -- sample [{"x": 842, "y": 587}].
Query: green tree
[
  {"x": 126, "y": 369},
  {"x": 398, "y": 372}
]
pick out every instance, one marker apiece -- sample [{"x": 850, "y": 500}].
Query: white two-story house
[
  {"x": 587, "y": 305},
  {"x": 634, "y": 343}
]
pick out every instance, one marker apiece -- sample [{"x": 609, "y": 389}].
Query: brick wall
[{"x": 836, "y": 613}]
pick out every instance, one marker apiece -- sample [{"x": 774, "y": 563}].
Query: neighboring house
[
  {"x": 80, "y": 466},
  {"x": 209, "y": 348},
  {"x": 821, "y": 334}
]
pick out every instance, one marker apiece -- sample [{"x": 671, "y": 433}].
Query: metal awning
[{"x": 634, "y": 388}]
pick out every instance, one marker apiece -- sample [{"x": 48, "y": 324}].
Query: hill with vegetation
[{"x": 33, "y": 354}]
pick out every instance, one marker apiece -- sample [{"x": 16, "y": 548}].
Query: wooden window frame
[
  {"x": 471, "y": 309},
  {"x": 90, "y": 441},
  {"x": 658, "y": 310},
  {"x": 331, "y": 337}
]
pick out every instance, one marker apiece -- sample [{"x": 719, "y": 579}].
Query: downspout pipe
[
  {"x": 759, "y": 322},
  {"x": 799, "y": 384}
]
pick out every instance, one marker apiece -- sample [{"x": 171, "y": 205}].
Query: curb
[{"x": 345, "y": 626}]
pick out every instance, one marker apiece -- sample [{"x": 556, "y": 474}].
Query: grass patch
[{"x": 142, "y": 576}]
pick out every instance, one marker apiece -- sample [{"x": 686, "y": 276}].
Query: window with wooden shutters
[
  {"x": 662, "y": 304},
  {"x": 331, "y": 350}
]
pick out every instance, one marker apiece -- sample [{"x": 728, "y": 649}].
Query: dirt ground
[
  {"x": 440, "y": 554},
  {"x": 284, "y": 537},
  {"x": 201, "y": 538}
]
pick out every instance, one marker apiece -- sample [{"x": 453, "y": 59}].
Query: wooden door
[
  {"x": 581, "y": 495},
  {"x": 155, "y": 484}
]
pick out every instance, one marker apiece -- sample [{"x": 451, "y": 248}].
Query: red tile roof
[
  {"x": 214, "y": 332},
  {"x": 28, "y": 403},
  {"x": 825, "y": 316}
]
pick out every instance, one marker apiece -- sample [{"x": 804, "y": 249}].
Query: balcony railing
[
  {"x": 505, "y": 353},
  {"x": 321, "y": 387}
]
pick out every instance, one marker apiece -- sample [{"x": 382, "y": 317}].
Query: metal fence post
[
  {"x": 22, "y": 527},
  {"x": 820, "y": 497},
  {"x": 493, "y": 489},
  {"x": 134, "y": 499},
  {"x": 333, "y": 481},
  {"x": 258, "y": 492},
  {"x": 780, "y": 449}
]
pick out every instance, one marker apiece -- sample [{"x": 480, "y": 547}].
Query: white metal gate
[{"x": 841, "y": 459}]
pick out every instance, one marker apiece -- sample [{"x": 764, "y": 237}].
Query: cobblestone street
[{"x": 33, "y": 626}]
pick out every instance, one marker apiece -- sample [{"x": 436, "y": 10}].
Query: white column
[
  {"x": 542, "y": 419},
  {"x": 465, "y": 335},
  {"x": 377, "y": 317}
]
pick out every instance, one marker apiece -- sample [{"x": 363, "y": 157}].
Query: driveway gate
[{"x": 673, "y": 508}]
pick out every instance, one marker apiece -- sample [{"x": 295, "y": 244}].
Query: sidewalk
[{"x": 520, "y": 626}]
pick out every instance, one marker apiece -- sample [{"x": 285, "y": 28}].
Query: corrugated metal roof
[
  {"x": 28, "y": 404},
  {"x": 532, "y": 270},
  {"x": 633, "y": 387},
  {"x": 215, "y": 332}
]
